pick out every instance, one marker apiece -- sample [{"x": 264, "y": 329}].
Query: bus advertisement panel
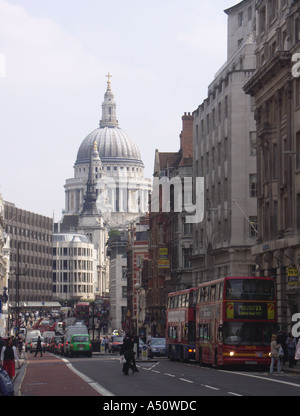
[
  {"x": 180, "y": 324},
  {"x": 235, "y": 318},
  {"x": 83, "y": 312}
]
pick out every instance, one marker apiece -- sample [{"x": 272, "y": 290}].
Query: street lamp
[
  {"x": 137, "y": 287},
  {"x": 18, "y": 274}
]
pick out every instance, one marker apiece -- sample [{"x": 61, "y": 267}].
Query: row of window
[
  {"x": 72, "y": 277},
  {"x": 72, "y": 265},
  {"x": 24, "y": 232},
  {"x": 73, "y": 289},
  {"x": 183, "y": 300},
  {"x": 115, "y": 168},
  {"x": 72, "y": 251}
]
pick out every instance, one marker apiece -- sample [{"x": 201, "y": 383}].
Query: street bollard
[{"x": 144, "y": 353}]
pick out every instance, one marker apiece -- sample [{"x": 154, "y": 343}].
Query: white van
[
  {"x": 73, "y": 330},
  {"x": 29, "y": 336}
]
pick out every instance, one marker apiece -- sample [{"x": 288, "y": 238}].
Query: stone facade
[
  {"x": 225, "y": 156},
  {"x": 277, "y": 99},
  {"x": 30, "y": 255}
]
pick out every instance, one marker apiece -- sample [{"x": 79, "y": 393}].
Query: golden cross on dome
[{"x": 108, "y": 81}]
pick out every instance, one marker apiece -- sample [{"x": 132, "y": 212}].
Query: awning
[{"x": 32, "y": 304}]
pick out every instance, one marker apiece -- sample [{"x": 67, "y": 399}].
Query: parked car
[
  {"x": 60, "y": 346},
  {"x": 33, "y": 344},
  {"x": 54, "y": 343},
  {"x": 29, "y": 336},
  {"x": 156, "y": 347},
  {"x": 80, "y": 344},
  {"x": 115, "y": 343},
  {"x": 73, "y": 330}
]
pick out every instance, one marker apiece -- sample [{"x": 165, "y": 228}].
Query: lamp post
[
  {"x": 18, "y": 274},
  {"x": 137, "y": 287}
]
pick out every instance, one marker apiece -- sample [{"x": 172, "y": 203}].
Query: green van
[{"x": 80, "y": 344}]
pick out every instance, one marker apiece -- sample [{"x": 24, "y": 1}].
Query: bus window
[
  {"x": 213, "y": 293},
  {"x": 193, "y": 299},
  {"x": 179, "y": 301},
  {"x": 183, "y": 300}
]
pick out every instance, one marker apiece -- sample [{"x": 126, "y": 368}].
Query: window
[
  {"x": 186, "y": 254},
  {"x": 124, "y": 272},
  {"x": 124, "y": 291},
  {"x": 240, "y": 19},
  {"x": 249, "y": 14},
  {"x": 262, "y": 20},
  {"x": 252, "y": 143},
  {"x": 253, "y": 185},
  {"x": 252, "y": 226}
]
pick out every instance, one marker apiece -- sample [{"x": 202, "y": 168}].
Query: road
[{"x": 166, "y": 378}]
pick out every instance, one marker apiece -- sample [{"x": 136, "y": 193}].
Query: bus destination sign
[{"x": 247, "y": 310}]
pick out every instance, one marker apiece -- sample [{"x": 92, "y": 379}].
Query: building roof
[{"x": 114, "y": 145}]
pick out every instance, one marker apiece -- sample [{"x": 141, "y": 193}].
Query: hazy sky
[{"x": 162, "y": 55}]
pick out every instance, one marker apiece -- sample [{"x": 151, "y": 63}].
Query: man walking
[{"x": 39, "y": 347}]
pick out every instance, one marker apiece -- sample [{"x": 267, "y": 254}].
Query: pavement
[{"x": 50, "y": 375}]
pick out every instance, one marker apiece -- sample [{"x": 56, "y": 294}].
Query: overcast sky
[{"x": 162, "y": 55}]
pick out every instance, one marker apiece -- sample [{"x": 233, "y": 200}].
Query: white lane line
[
  {"x": 155, "y": 371},
  {"x": 234, "y": 394},
  {"x": 187, "y": 381},
  {"x": 210, "y": 387},
  {"x": 262, "y": 378},
  {"x": 96, "y": 386},
  {"x": 169, "y": 375}
]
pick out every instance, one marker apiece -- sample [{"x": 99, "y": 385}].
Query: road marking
[
  {"x": 235, "y": 394},
  {"x": 96, "y": 386},
  {"x": 262, "y": 378},
  {"x": 169, "y": 375},
  {"x": 155, "y": 371},
  {"x": 210, "y": 387},
  {"x": 187, "y": 381}
]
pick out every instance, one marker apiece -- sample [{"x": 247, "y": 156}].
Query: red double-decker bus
[
  {"x": 235, "y": 318},
  {"x": 83, "y": 312},
  {"x": 180, "y": 324}
]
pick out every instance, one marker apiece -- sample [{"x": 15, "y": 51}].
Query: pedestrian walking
[
  {"x": 20, "y": 345},
  {"x": 127, "y": 351},
  {"x": 291, "y": 348},
  {"x": 105, "y": 342},
  {"x": 281, "y": 339},
  {"x": 275, "y": 355},
  {"x": 9, "y": 355},
  {"x": 39, "y": 347}
]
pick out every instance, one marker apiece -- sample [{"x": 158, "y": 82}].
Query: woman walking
[
  {"x": 8, "y": 356},
  {"x": 275, "y": 355}
]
